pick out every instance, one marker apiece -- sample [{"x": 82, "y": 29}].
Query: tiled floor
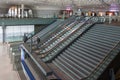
[{"x": 6, "y": 71}]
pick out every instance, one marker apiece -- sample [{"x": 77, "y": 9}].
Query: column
[
  {"x": 22, "y": 10},
  {"x": 31, "y": 42},
  {"x": 4, "y": 31},
  {"x": 19, "y": 15},
  {"x": 63, "y": 16}
]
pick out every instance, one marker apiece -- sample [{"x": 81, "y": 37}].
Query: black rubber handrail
[
  {"x": 70, "y": 43},
  {"x": 43, "y": 47},
  {"x": 46, "y": 36},
  {"x": 42, "y": 66}
]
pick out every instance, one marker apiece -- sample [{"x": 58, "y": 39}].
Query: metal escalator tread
[
  {"x": 56, "y": 43},
  {"x": 62, "y": 36},
  {"x": 69, "y": 22}
]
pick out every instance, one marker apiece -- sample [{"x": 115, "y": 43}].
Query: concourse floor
[{"x": 6, "y": 68}]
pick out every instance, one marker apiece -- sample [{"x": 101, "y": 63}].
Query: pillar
[
  {"x": 63, "y": 16},
  {"x": 4, "y": 31},
  {"x": 22, "y": 10}
]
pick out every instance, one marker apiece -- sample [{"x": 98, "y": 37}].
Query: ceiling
[{"x": 87, "y": 4}]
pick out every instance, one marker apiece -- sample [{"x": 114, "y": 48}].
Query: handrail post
[{"x": 31, "y": 42}]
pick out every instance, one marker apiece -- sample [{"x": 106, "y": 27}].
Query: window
[
  {"x": 15, "y": 33},
  {"x": 1, "y": 34}
]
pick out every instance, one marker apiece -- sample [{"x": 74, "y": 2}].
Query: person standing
[
  {"x": 38, "y": 42},
  {"x": 25, "y": 38}
]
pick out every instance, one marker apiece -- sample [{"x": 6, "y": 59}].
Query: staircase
[{"x": 88, "y": 52}]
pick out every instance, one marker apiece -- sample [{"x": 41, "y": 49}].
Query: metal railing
[
  {"x": 56, "y": 28},
  {"x": 66, "y": 40}
]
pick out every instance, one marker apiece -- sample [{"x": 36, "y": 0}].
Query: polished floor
[{"x": 6, "y": 68}]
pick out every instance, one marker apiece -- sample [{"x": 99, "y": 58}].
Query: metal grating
[{"x": 80, "y": 59}]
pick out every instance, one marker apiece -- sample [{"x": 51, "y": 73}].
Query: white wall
[{"x": 46, "y": 11}]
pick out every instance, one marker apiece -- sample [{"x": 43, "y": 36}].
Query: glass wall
[
  {"x": 1, "y": 34},
  {"x": 15, "y": 33}
]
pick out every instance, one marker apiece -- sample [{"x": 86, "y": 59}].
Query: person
[
  {"x": 25, "y": 38},
  {"x": 76, "y": 14},
  {"x": 38, "y": 42}
]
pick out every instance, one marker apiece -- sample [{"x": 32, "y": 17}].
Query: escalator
[
  {"x": 25, "y": 49},
  {"x": 51, "y": 28},
  {"x": 68, "y": 34},
  {"x": 80, "y": 50},
  {"x": 44, "y": 31},
  {"x": 60, "y": 34},
  {"x": 51, "y": 39},
  {"x": 53, "y": 49}
]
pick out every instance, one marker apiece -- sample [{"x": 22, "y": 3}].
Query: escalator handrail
[
  {"x": 59, "y": 35},
  {"x": 63, "y": 48},
  {"x": 56, "y": 27},
  {"x": 42, "y": 47},
  {"x": 32, "y": 34},
  {"x": 42, "y": 66},
  {"x": 68, "y": 36}
]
